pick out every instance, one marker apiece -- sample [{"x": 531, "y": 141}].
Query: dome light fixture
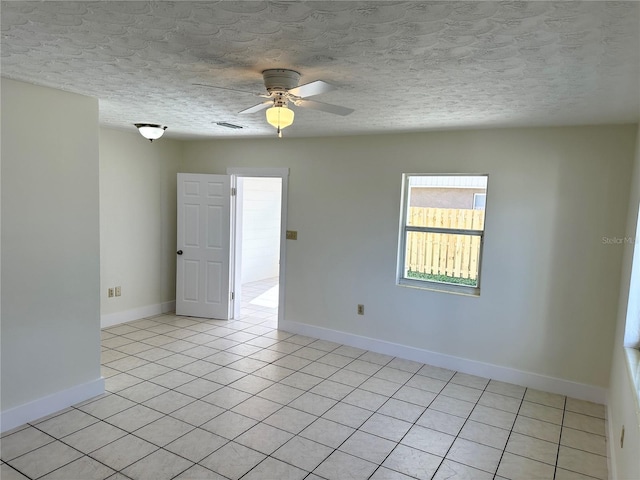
[
  {"x": 280, "y": 117},
  {"x": 150, "y": 131}
]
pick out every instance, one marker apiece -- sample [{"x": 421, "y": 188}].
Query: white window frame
[{"x": 401, "y": 278}]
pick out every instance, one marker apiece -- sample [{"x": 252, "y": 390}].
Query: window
[{"x": 442, "y": 231}]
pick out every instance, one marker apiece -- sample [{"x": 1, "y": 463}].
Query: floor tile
[
  {"x": 66, "y": 423},
  {"x": 412, "y": 462},
  {"x": 585, "y": 408},
  {"x": 427, "y": 440},
  {"x": 313, "y": 404},
  {"x": 197, "y": 413},
  {"x": 257, "y": 408},
  {"x": 226, "y": 397},
  {"x": 386, "y": 427},
  {"x": 453, "y": 406},
  {"x": 582, "y": 462},
  {"x": 340, "y": 465},
  {"x": 163, "y": 431},
  {"x": 198, "y": 472},
  {"x": 585, "y": 423},
  {"x": 196, "y": 444},
  {"x": 327, "y": 433},
  {"x": 94, "y": 436},
  {"x": 507, "y": 389},
  {"x": 272, "y": 468},
  {"x": 515, "y": 467},
  {"x": 82, "y": 468},
  {"x": 8, "y": 473},
  {"x": 229, "y": 425},
  {"x": 401, "y": 410},
  {"x": 22, "y": 441},
  {"x": 415, "y": 396},
  {"x": 134, "y": 418},
  {"x": 245, "y": 399},
  {"x": 303, "y": 453},
  {"x": 368, "y": 447},
  {"x": 160, "y": 465},
  {"x": 485, "y": 434},
  {"x": 475, "y": 455},
  {"x": 123, "y": 452},
  {"x": 450, "y": 470},
  {"x": 545, "y": 398},
  {"x": 580, "y": 440},
  {"x": 347, "y": 414},
  {"x": 291, "y": 420},
  {"x": 107, "y": 406},
  {"x": 537, "y": 428},
  {"x": 45, "y": 459},
  {"x": 233, "y": 460},
  {"x": 533, "y": 448},
  {"x": 541, "y": 412},
  {"x": 467, "y": 380},
  {"x": 384, "y": 473},
  {"x": 440, "y": 421},
  {"x": 264, "y": 438}
]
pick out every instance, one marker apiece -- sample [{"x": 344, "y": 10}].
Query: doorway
[
  {"x": 257, "y": 247},
  {"x": 260, "y": 214}
]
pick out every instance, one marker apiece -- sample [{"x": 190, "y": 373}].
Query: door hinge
[
  {"x": 233, "y": 295},
  {"x": 233, "y": 191}
]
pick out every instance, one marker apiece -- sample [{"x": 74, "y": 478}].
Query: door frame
[{"x": 257, "y": 172}]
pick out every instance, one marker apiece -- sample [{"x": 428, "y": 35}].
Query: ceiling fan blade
[
  {"x": 311, "y": 89},
  {"x": 325, "y": 107},
  {"x": 258, "y": 107},
  {"x": 230, "y": 89}
]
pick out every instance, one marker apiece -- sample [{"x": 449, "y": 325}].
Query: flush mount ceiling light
[
  {"x": 280, "y": 116},
  {"x": 150, "y": 131}
]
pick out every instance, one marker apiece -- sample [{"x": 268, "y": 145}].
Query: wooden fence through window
[{"x": 453, "y": 255}]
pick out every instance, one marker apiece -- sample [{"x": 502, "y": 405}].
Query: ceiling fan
[{"x": 282, "y": 90}]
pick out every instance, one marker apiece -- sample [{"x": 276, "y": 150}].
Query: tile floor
[{"x": 206, "y": 399}]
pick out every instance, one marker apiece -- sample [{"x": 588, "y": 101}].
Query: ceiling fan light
[
  {"x": 150, "y": 131},
  {"x": 280, "y": 117}
]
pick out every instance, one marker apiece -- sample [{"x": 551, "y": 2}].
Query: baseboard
[
  {"x": 111, "y": 319},
  {"x": 504, "y": 374},
  {"x": 16, "y": 416}
]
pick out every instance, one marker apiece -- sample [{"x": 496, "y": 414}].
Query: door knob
[{"x": 179, "y": 252}]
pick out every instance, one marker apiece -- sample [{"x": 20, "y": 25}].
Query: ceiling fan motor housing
[{"x": 279, "y": 79}]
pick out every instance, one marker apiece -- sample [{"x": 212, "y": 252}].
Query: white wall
[
  {"x": 624, "y": 409},
  {"x": 137, "y": 224},
  {"x": 261, "y": 198},
  {"x": 50, "y": 251},
  {"x": 549, "y": 284}
]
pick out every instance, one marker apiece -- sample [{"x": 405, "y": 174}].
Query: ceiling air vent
[{"x": 229, "y": 125}]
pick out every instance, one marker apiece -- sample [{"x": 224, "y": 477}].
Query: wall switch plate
[
  {"x": 292, "y": 234},
  {"x": 110, "y": 292},
  {"x": 118, "y": 291},
  {"x": 360, "y": 309}
]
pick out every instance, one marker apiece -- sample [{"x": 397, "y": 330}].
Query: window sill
[
  {"x": 633, "y": 367},
  {"x": 440, "y": 287}
]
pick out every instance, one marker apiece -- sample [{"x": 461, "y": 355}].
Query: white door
[{"x": 203, "y": 276}]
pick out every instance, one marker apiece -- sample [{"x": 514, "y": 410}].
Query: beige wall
[
  {"x": 549, "y": 284},
  {"x": 624, "y": 409},
  {"x": 137, "y": 220},
  {"x": 50, "y": 244}
]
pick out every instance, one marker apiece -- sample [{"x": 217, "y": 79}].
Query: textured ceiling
[{"x": 403, "y": 66}]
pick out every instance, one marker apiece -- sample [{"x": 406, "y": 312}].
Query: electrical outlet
[
  {"x": 360, "y": 309},
  {"x": 118, "y": 291},
  {"x": 110, "y": 294}
]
